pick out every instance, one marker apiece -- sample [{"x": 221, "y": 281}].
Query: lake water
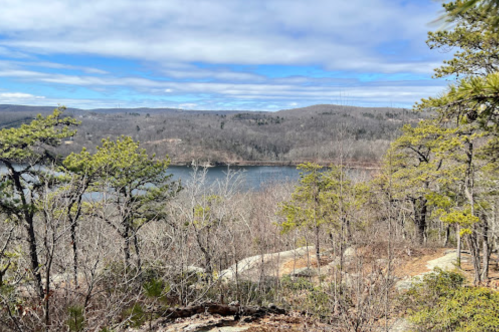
[
  {"x": 248, "y": 177},
  {"x": 252, "y": 177}
]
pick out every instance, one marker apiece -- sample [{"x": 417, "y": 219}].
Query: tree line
[{"x": 289, "y": 136}]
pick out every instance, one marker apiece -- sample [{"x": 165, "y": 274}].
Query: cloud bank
[{"x": 217, "y": 54}]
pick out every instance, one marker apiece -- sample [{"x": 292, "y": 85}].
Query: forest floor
[
  {"x": 271, "y": 323},
  {"x": 408, "y": 264}
]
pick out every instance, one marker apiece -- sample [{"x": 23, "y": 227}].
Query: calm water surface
[
  {"x": 248, "y": 177},
  {"x": 253, "y": 177}
]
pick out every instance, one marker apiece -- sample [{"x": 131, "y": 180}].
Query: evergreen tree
[{"x": 24, "y": 151}]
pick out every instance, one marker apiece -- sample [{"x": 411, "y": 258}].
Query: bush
[
  {"x": 136, "y": 315},
  {"x": 441, "y": 303},
  {"x": 76, "y": 320}
]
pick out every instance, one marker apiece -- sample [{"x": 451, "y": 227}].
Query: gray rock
[
  {"x": 194, "y": 269},
  {"x": 349, "y": 252},
  {"x": 304, "y": 272},
  {"x": 405, "y": 284},
  {"x": 229, "y": 329},
  {"x": 334, "y": 263},
  {"x": 382, "y": 261},
  {"x": 400, "y": 325},
  {"x": 252, "y": 268},
  {"x": 349, "y": 279}
]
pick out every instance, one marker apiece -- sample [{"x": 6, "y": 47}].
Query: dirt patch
[
  {"x": 415, "y": 264},
  {"x": 288, "y": 324},
  {"x": 296, "y": 264},
  {"x": 302, "y": 262}
]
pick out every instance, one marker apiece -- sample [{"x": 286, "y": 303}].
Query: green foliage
[
  {"x": 307, "y": 296},
  {"x": 156, "y": 288},
  {"x": 205, "y": 212},
  {"x": 76, "y": 320},
  {"x": 484, "y": 8},
  {"x": 296, "y": 284},
  {"x": 128, "y": 178},
  {"x": 23, "y": 187},
  {"x": 320, "y": 198},
  {"x": 26, "y": 145},
  {"x": 105, "y": 329},
  {"x": 136, "y": 315},
  {"x": 412, "y": 159},
  {"x": 440, "y": 303},
  {"x": 474, "y": 35},
  {"x": 23, "y": 144},
  {"x": 462, "y": 217}
]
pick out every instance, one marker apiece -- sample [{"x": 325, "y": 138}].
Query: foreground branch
[{"x": 222, "y": 310}]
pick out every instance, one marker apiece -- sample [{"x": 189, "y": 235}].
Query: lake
[{"x": 250, "y": 177}]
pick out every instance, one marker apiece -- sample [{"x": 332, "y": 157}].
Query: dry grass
[{"x": 416, "y": 263}]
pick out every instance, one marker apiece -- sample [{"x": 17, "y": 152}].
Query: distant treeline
[{"x": 319, "y": 133}]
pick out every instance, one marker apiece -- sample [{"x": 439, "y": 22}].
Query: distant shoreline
[{"x": 350, "y": 165}]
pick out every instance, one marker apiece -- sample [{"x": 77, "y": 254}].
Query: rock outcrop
[{"x": 267, "y": 265}]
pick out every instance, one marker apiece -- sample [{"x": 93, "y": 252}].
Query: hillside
[{"x": 320, "y": 133}]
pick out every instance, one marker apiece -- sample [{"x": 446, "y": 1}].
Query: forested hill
[{"x": 320, "y": 133}]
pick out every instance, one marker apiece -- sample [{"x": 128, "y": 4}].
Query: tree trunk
[
  {"x": 47, "y": 290},
  {"x": 486, "y": 251},
  {"x": 475, "y": 255},
  {"x": 75, "y": 253},
  {"x": 317, "y": 246},
  {"x": 33, "y": 254},
  {"x": 473, "y": 238},
  {"x": 420, "y": 208},
  {"x": 126, "y": 246},
  {"x": 30, "y": 230},
  {"x": 459, "y": 244},
  {"x": 137, "y": 251},
  {"x": 447, "y": 235},
  {"x": 74, "y": 226}
]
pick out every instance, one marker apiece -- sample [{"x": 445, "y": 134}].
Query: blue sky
[{"x": 217, "y": 54}]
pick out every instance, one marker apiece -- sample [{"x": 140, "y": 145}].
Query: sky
[{"x": 217, "y": 54}]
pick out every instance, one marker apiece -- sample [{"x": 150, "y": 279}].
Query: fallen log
[{"x": 220, "y": 309}]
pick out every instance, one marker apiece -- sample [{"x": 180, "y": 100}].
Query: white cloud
[
  {"x": 301, "y": 88},
  {"x": 187, "y": 105},
  {"x": 17, "y": 95},
  {"x": 206, "y": 52},
  {"x": 337, "y": 34}
]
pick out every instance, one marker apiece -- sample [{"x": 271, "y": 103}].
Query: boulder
[
  {"x": 305, "y": 272},
  {"x": 349, "y": 252},
  {"x": 254, "y": 267},
  {"x": 400, "y": 325}
]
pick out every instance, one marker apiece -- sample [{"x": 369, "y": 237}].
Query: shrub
[
  {"x": 76, "y": 320},
  {"x": 441, "y": 303},
  {"x": 136, "y": 315}
]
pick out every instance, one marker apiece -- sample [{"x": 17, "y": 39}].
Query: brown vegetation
[{"x": 287, "y": 137}]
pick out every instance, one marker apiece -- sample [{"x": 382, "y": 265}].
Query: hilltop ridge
[{"x": 319, "y": 133}]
